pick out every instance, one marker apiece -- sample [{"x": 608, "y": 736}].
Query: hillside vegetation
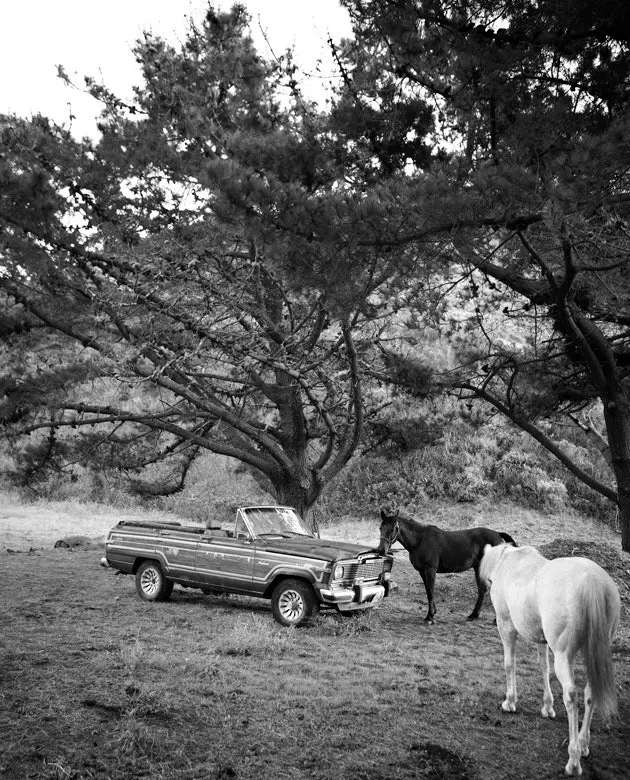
[{"x": 432, "y": 456}]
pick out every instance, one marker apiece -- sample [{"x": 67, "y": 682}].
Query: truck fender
[
  {"x": 154, "y": 557},
  {"x": 286, "y": 573}
]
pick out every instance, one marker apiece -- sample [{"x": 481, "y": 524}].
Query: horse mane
[{"x": 406, "y": 519}]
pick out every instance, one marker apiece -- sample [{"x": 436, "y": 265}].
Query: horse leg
[
  {"x": 428, "y": 577},
  {"x": 584, "y": 737},
  {"x": 564, "y": 672},
  {"x": 481, "y": 592},
  {"x": 508, "y": 635},
  {"x": 547, "y": 708}
]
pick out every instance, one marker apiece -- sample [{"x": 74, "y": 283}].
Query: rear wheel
[
  {"x": 151, "y": 583},
  {"x": 293, "y": 602}
]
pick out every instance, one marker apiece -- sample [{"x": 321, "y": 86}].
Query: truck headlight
[
  {"x": 387, "y": 565},
  {"x": 338, "y": 572}
]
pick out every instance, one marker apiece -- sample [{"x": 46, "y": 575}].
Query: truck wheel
[
  {"x": 293, "y": 602},
  {"x": 151, "y": 583}
]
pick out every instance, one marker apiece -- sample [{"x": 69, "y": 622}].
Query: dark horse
[{"x": 434, "y": 551}]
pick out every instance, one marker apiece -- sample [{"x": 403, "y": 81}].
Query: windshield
[{"x": 276, "y": 520}]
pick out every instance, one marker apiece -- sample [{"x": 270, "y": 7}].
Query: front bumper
[{"x": 359, "y": 596}]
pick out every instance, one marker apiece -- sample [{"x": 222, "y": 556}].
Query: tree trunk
[
  {"x": 617, "y": 417},
  {"x": 301, "y": 495}
]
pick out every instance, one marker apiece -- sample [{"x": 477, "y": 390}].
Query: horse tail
[
  {"x": 507, "y": 538},
  {"x": 602, "y": 613}
]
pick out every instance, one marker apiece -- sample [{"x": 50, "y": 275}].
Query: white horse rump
[{"x": 568, "y": 605}]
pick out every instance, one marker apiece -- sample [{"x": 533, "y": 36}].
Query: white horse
[{"x": 568, "y": 604}]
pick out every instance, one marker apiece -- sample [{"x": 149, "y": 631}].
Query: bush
[{"x": 469, "y": 463}]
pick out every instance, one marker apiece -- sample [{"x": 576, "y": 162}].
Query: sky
[{"x": 96, "y": 39}]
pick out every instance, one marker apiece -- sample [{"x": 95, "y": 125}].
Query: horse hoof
[
  {"x": 429, "y": 621},
  {"x": 472, "y": 616}
]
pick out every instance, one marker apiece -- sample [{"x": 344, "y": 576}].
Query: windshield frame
[{"x": 281, "y": 521}]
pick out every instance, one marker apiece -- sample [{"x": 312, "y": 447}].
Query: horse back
[
  {"x": 464, "y": 549},
  {"x": 555, "y": 601},
  {"x": 461, "y": 550},
  {"x": 449, "y": 551},
  {"x": 567, "y": 586}
]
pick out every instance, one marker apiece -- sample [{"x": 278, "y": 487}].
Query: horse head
[
  {"x": 492, "y": 557},
  {"x": 388, "y": 532}
]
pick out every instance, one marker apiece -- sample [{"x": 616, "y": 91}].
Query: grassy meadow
[{"x": 98, "y": 685}]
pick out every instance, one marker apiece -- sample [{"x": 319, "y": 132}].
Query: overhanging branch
[{"x": 542, "y": 439}]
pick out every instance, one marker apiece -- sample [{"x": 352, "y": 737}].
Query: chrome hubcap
[
  {"x": 291, "y": 605},
  {"x": 150, "y": 582}
]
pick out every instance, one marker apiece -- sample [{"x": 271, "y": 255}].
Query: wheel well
[
  {"x": 279, "y": 577},
  {"x": 139, "y": 561}
]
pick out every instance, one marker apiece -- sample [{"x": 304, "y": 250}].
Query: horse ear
[{"x": 383, "y": 515}]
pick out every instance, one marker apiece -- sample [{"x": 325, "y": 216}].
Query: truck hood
[{"x": 324, "y": 549}]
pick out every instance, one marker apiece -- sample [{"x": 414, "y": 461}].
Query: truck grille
[{"x": 367, "y": 570}]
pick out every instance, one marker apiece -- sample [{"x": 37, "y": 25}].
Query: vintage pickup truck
[{"x": 267, "y": 552}]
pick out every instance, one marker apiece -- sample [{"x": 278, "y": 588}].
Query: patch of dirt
[{"x": 435, "y": 762}]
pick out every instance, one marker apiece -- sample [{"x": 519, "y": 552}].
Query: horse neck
[{"x": 408, "y": 531}]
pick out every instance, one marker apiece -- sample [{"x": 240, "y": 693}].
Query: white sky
[{"x": 95, "y": 39}]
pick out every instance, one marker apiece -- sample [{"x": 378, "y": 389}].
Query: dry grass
[
  {"x": 97, "y": 684},
  {"x": 42, "y": 523},
  {"x": 525, "y": 525}
]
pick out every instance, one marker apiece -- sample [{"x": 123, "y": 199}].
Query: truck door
[
  {"x": 225, "y": 563},
  {"x": 178, "y": 557}
]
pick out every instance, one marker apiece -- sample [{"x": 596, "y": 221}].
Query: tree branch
[{"x": 541, "y": 438}]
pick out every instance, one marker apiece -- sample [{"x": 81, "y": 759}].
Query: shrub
[{"x": 470, "y": 463}]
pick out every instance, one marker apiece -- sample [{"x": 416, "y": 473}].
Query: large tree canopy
[
  {"x": 531, "y": 105},
  {"x": 210, "y": 258},
  {"x": 226, "y": 256}
]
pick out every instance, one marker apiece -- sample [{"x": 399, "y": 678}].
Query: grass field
[{"x": 95, "y": 683}]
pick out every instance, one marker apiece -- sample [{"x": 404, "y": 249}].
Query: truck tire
[
  {"x": 293, "y": 602},
  {"x": 151, "y": 583}
]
